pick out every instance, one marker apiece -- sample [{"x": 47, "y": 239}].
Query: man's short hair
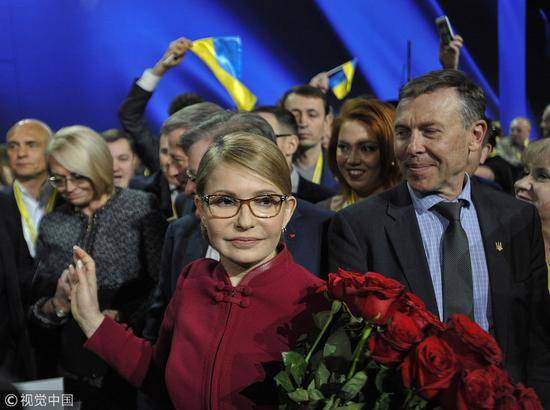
[
  {"x": 306, "y": 90},
  {"x": 205, "y": 130},
  {"x": 282, "y": 115},
  {"x": 189, "y": 116},
  {"x": 113, "y": 135},
  {"x": 224, "y": 123},
  {"x": 472, "y": 97},
  {"x": 183, "y": 100}
]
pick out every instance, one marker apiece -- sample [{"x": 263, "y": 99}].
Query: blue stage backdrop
[{"x": 73, "y": 61}]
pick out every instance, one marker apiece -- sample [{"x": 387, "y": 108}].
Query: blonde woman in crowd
[
  {"x": 534, "y": 187},
  {"x": 123, "y": 233}
]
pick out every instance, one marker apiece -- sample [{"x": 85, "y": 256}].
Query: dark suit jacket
[
  {"x": 25, "y": 261},
  {"x": 305, "y": 237},
  {"x": 15, "y": 352},
  {"x": 312, "y": 192},
  {"x": 157, "y": 184},
  {"x": 132, "y": 117},
  {"x": 381, "y": 234}
]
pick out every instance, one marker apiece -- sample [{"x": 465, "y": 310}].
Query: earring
[{"x": 283, "y": 229}]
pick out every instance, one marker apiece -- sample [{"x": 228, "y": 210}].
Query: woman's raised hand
[{"x": 84, "y": 303}]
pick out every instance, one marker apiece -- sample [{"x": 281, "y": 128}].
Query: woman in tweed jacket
[{"x": 124, "y": 233}]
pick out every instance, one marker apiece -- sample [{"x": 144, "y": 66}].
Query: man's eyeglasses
[
  {"x": 261, "y": 206},
  {"x": 59, "y": 181}
]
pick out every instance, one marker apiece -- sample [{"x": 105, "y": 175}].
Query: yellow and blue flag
[
  {"x": 223, "y": 55},
  {"x": 340, "y": 78}
]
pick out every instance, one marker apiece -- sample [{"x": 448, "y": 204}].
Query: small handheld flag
[
  {"x": 223, "y": 56},
  {"x": 340, "y": 78}
]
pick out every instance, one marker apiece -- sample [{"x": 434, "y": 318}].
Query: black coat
[{"x": 16, "y": 358}]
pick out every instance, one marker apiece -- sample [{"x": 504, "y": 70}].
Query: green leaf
[
  {"x": 296, "y": 364},
  {"x": 321, "y": 375},
  {"x": 315, "y": 395},
  {"x": 321, "y": 318},
  {"x": 283, "y": 379},
  {"x": 338, "y": 345},
  {"x": 354, "y": 385},
  {"x": 336, "y": 306},
  {"x": 328, "y": 404},
  {"x": 299, "y": 395},
  {"x": 383, "y": 402},
  {"x": 354, "y": 406},
  {"x": 379, "y": 381}
]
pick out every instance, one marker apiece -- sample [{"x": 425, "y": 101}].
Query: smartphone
[{"x": 444, "y": 29}]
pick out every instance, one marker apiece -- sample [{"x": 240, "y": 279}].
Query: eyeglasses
[
  {"x": 58, "y": 181},
  {"x": 190, "y": 175},
  {"x": 262, "y": 206}
]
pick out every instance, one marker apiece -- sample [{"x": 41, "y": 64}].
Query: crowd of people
[{"x": 181, "y": 264}]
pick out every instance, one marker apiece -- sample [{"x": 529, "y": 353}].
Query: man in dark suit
[
  {"x": 16, "y": 358},
  {"x": 305, "y": 234},
  {"x": 403, "y": 233},
  {"x": 286, "y": 131}
]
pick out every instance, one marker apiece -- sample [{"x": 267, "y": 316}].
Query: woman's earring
[{"x": 283, "y": 229}]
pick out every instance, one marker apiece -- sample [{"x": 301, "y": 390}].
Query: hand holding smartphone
[{"x": 444, "y": 29}]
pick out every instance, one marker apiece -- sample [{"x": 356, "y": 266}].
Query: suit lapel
[
  {"x": 404, "y": 236},
  {"x": 496, "y": 243}
]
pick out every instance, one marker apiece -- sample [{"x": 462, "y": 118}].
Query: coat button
[
  {"x": 220, "y": 286},
  {"x": 244, "y": 303}
]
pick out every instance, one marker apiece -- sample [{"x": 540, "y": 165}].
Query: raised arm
[
  {"x": 132, "y": 111},
  {"x": 449, "y": 54}
]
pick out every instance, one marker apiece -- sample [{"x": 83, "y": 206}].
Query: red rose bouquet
[{"x": 380, "y": 348}]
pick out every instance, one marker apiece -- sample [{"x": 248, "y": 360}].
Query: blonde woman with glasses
[
  {"x": 122, "y": 231},
  {"x": 228, "y": 318}
]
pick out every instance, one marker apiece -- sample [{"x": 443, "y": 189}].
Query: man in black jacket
[{"x": 16, "y": 359}]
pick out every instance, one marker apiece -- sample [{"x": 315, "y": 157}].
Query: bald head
[
  {"x": 520, "y": 128},
  {"x": 27, "y": 141}
]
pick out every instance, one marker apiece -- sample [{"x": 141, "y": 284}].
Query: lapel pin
[
  {"x": 498, "y": 245},
  {"x": 292, "y": 235}
]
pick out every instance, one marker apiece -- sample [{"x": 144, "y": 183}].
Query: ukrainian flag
[
  {"x": 223, "y": 56},
  {"x": 340, "y": 78}
]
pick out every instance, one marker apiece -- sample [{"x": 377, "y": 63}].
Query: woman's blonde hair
[
  {"x": 537, "y": 153},
  {"x": 253, "y": 152},
  {"x": 82, "y": 150}
]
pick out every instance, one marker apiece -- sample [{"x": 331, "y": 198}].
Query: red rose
[
  {"x": 396, "y": 340},
  {"x": 412, "y": 306},
  {"x": 476, "y": 389},
  {"x": 382, "y": 351},
  {"x": 373, "y": 301},
  {"x": 527, "y": 398},
  {"x": 502, "y": 384},
  {"x": 507, "y": 403},
  {"x": 430, "y": 368},
  {"x": 475, "y": 347},
  {"x": 343, "y": 284}
]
